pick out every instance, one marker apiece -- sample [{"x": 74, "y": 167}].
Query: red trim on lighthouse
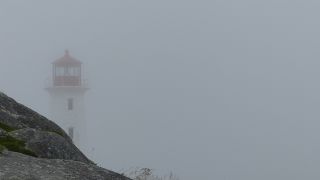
[
  {"x": 67, "y": 71},
  {"x": 67, "y": 60}
]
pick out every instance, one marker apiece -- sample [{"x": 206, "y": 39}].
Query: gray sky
[{"x": 220, "y": 89}]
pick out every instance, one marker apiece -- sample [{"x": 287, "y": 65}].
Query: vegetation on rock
[
  {"x": 15, "y": 145},
  {"x": 6, "y": 127}
]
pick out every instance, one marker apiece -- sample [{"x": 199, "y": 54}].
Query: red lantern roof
[{"x": 67, "y": 60}]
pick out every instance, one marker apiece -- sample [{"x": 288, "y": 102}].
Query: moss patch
[
  {"x": 6, "y": 127},
  {"x": 15, "y": 145}
]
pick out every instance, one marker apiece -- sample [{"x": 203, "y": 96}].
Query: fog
[{"x": 207, "y": 89}]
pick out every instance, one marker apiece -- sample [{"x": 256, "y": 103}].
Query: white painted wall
[{"x": 66, "y": 118}]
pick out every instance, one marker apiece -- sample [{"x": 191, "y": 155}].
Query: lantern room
[{"x": 67, "y": 71}]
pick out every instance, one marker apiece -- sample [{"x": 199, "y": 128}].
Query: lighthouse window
[
  {"x": 70, "y": 104},
  {"x": 70, "y": 132}
]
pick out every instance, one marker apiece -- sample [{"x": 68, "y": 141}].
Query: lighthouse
[{"x": 67, "y": 92}]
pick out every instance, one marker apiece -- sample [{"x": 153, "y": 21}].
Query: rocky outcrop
[
  {"x": 48, "y": 145},
  {"x": 14, "y": 166},
  {"x": 34, "y": 148}
]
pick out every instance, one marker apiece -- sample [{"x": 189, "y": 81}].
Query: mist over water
[{"x": 206, "y": 89}]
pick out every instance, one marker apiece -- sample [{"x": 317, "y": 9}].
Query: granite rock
[{"x": 35, "y": 148}]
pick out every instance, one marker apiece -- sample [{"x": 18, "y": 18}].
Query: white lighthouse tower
[{"x": 67, "y": 90}]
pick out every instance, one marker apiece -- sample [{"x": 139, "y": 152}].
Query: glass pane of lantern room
[
  {"x": 74, "y": 71},
  {"x": 70, "y": 71},
  {"x": 67, "y": 71},
  {"x": 77, "y": 71},
  {"x": 59, "y": 71}
]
